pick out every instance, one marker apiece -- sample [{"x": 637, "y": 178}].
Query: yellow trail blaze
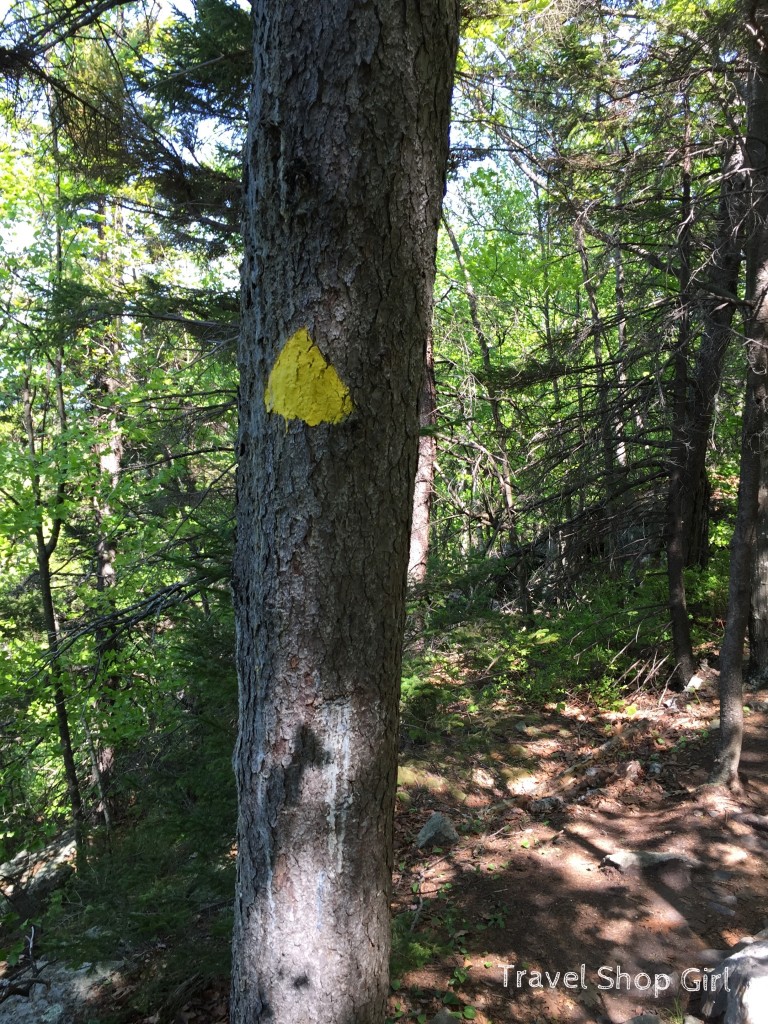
[{"x": 304, "y": 386}]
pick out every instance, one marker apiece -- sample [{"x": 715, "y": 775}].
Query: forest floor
[
  {"x": 526, "y": 884},
  {"x": 540, "y": 799}
]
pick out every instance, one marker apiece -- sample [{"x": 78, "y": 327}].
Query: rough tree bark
[
  {"x": 344, "y": 176},
  {"x": 725, "y": 770}
]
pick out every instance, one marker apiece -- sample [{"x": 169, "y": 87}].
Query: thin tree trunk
[
  {"x": 59, "y": 696},
  {"x": 425, "y": 473},
  {"x": 758, "y": 609},
  {"x": 605, "y": 425},
  {"x": 717, "y": 334},
  {"x": 107, "y": 644},
  {"x": 725, "y": 770},
  {"x": 501, "y": 461},
  {"x": 418, "y": 553},
  {"x": 596, "y": 330},
  {"x": 622, "y": 455},
  {"x": 45, "y": 548},
  {"x": 344, "y": 175},
  {"x": 689, "y": 487},
  {"x": 676, "y": 535},
  {"x": 105, "y": 357},
  {"x": 110, "y": 456}
]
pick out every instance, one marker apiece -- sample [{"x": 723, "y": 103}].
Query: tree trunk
[
  {"x": 689, "y": 487},
  {"x": 425, "y": 473},
  {"x": 590, "y": 285},
  {"x": 676, "y": 534},
  {"x": 110, "y": 454},
  {"x": 418, "y": 551},
  {"x": 59, "y": 696},
  {"x": 606, "y": 421},
  {"x": 717, "y": 334},
  {"x": 344, "y": 175},
  {"x": 620, "y": 381},
  {"x": 501, "y": 464},
  {"x": 45, "y": 548},
  {"x": 696, "y": 517},
  {"x": 725, "y": 771},
  {"x": 758, "y": 609}
]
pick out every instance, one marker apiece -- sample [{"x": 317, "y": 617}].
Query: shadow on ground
[{"x": 540, "y": 801}]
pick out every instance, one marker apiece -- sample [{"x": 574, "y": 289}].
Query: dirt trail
[{"x": 539, "y": 809}]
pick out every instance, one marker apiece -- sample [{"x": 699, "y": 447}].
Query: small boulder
[{"x": 438, "y": 831}]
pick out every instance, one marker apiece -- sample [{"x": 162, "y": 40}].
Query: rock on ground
[
  {"x": 438, "y": 831},
  {"x": 66, "y": 990},
  {"x": 444, "y": 1017}
]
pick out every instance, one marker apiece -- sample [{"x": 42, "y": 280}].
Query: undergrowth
[
  {"x": 155, "y": 893},
  {"x": 609, "y": 639}
]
